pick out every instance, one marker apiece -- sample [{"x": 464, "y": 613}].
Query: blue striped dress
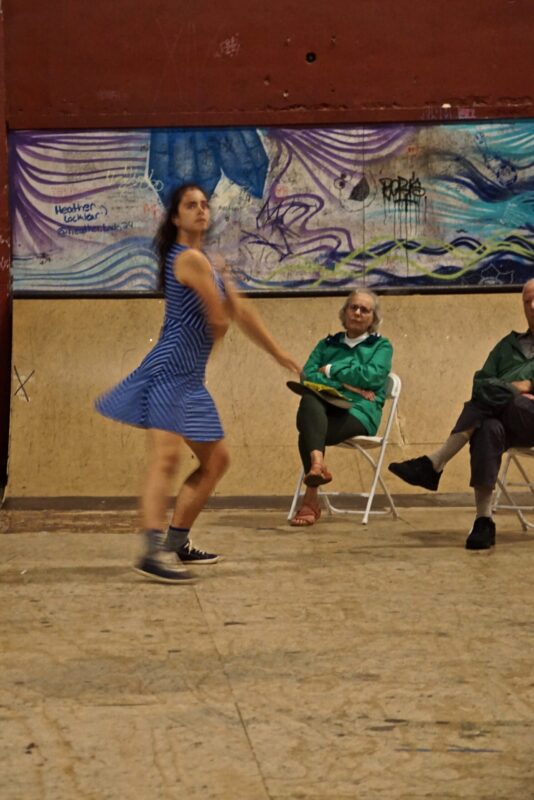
[{"x": 167, "y": 389}]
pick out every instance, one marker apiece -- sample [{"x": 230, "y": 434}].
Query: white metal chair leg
[
  {"x": 504, "y": 485},
  {"x": 502, "y": 481},
  {"x": 523, "y": 473},
  {"x": 378, "y": 479},
  {"x": 326, "y": 500},
  {"x": 296, "y": 496},
  {"x": 392, "y": 506},
  {"x": 513, "y": 506}
]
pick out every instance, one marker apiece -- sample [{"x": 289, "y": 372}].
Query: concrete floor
[{"x": 378, "y": 663}]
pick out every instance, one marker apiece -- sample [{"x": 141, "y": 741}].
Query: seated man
[{"x": 499, "y": 415}]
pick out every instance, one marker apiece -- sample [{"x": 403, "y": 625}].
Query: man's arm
[{"x": 492, "y": 384}]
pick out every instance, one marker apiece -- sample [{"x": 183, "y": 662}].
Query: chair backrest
[
  {"x": 393, "y": 385},
  {"x": 393, "y": 390}
]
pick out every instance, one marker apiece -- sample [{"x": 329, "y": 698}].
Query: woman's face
[
  {"x": 359, "y": 314},
  {"x": 193, "y": 212}
]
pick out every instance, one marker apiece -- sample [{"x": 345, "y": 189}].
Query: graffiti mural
[{"x": 296, "y": 209}]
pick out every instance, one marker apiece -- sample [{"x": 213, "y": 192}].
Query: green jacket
[
  {"x": 505, "y": 363},
  {"x": 366, "y": 366}
]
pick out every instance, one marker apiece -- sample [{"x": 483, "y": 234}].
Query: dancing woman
[{"x": 167, "y": 394}]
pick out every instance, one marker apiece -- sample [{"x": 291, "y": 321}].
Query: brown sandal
[
  {"x": 317, "y": 476},
  {"x": 305, "y": 516}
]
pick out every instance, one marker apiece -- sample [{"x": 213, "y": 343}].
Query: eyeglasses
[{"x": 361, "y": 309}]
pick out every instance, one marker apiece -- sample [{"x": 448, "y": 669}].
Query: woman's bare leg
[
  {"x": 317, "y": 459},
  {"x": 157, "y": 562},
  {"x": 196, "y": 490},
  {"x": 309, "y": 510},
  {"x": 164, "y": 457},
  {"x": 318, "y": 473}
]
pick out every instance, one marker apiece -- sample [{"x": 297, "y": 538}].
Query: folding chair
[
  {"x": 361, "y": 444},
  {"x": 503, "y": 484}
]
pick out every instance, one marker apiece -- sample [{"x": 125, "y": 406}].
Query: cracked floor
[{"x": 340, "y": 661}]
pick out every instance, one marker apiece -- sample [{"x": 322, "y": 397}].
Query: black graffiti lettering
[{"x": 401, "y": 191}]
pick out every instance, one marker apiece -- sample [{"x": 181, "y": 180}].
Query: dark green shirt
[{"x": 506, "y": 363}]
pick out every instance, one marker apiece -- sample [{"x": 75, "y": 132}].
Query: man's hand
[{"x": 524, "y": 387}]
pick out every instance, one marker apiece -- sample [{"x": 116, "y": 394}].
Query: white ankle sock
[{"x": 448, "y": 449}]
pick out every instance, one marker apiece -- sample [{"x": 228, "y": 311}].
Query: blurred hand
[
  {"x": 367, "y": 393},
  {"x": 522, "y": 386},
  {"x": 220, "y": 264},
  {"x": 288, "y": 363}
]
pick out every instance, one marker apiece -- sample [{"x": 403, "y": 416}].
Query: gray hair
[{"x": 377, "y": 314}]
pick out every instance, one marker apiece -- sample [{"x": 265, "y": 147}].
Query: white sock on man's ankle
[
  {"x": 483, "y": 501},
  {"x": 448, "y": 449}
]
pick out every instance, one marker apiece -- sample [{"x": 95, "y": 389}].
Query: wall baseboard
[{"x": 103, "y": 504}]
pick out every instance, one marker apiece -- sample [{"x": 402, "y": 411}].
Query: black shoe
[
  {"x": 417, "y": 471},
  {"x": 190, "y": 555},
  {"x": 162, "y": 565},
  {"x": 482, "y": 535}
]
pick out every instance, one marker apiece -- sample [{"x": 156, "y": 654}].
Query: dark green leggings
[{"x": 320, "y": 424}]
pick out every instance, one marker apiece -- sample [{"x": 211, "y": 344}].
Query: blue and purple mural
[{"x": 297, "y": 209}]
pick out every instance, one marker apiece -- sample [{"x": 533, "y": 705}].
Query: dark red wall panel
[
  {"x": 162, "y": 62},
  {"x": 5, "y": 281},
  {"x": 148, "y": 63}
]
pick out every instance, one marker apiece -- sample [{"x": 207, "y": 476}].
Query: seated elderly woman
[{"x": 355, "y": 363}]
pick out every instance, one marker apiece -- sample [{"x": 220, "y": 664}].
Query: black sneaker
[
  {"x": 482, "y": 535},
  {"x": 190, "y": 555},
  {"x": 163, "y": 567},
  {"x": 417, "y": 471}
]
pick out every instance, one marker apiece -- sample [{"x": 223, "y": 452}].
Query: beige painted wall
[{"x": 78, "y": 348}]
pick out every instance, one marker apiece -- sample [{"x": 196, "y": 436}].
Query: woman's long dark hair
[{"x": 166, "y": 234}]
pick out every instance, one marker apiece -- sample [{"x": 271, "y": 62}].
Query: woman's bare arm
[
  {"x": 252, "y": 325},
  {"x": 193, "y": 269}
]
